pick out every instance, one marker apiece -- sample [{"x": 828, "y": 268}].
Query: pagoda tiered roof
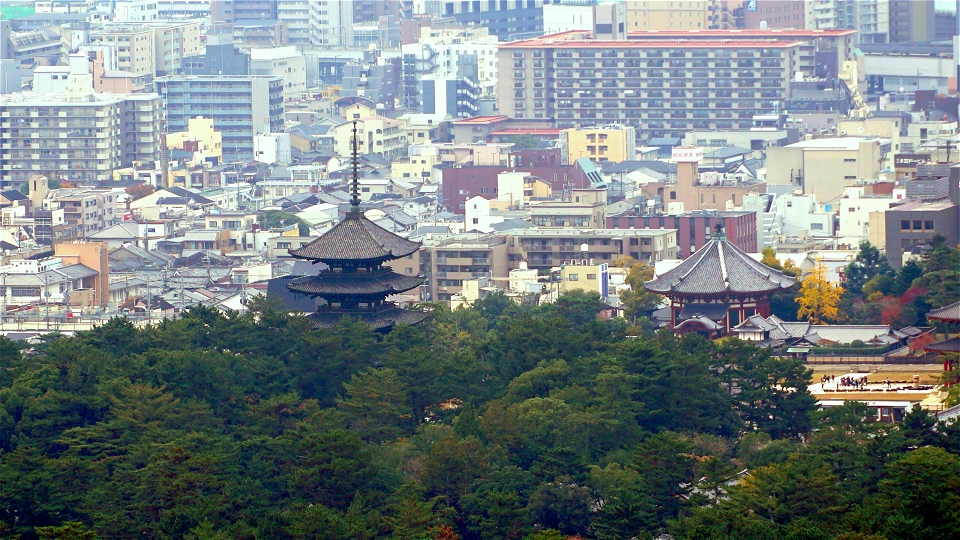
[
  {"x": 950, "y": 313},
  {"x": 356, "y": 238},
  {"x": 380, "y": 283},
  {"x": 720, "y": 268}
]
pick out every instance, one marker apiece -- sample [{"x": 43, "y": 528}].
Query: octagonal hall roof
[
  {"x": 720, "y": 268},
  {"x": 356, "y": 238},
  {"x": 950, "y": 313}
]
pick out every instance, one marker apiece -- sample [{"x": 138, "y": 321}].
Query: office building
[
  {"x": 506, "y": 19},
  {"x": 240, "y": 107},
  {"x": 284, "y": 62},
  {"x": 694, "y": 229},
  {"x": 609, "y": 143},
  {"x": 654, "y": 15},
  {"x": 912, "y": 20},
  {"x": 132, "y": 47},
  {"x": 315, "y": 23},
  {"x": 224, "y": 12},
  {"x": 664, "y": 83}
]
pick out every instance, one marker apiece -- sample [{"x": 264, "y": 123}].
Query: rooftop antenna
[{"x": 355, "y": 179}]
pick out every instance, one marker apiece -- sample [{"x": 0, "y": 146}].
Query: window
[
  {"x": 816, "y": 226},
  {"x": 673, "y": 195},
  {"x": 917, "y": 225},
  {"x": 573, "y": 277},
  {"x": 476, "y": 221},
  {"x": 904, "y": 225},
  {"x": 591, "y": 276},
  {"x": 928, "y": 225},
  {"x": 283, "y": 245}
]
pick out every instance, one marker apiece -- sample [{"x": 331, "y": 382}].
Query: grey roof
[
  {"x": 13, "y": 195},
  {"x": 514, "y": 223},
  {"x": 946, "y": 313},
  {"x": 664, "y": 141},
  {"x": 173, "y": 200},
  {"x": 848, "y": 333},
  {"x": 756, "y": 321},
  {"x": 356, "y": 238},
  {"x": 693, "y": 310},
  {"x": 727, "y": 151},
  {"x": 720, "y": 267},
  {"x": 77, "y": 271},
  {"x": 122, "y": 230},
  {"x": 181, "y": 192},
  {"x": 661, "y": 167}
]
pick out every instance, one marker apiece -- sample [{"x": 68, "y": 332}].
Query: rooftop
[
  {"x": 835, "y": 143},
  {"x": 580, "y": 39},
  {"x": 478, "y": 120}
]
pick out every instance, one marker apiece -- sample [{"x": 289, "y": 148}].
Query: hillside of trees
[{"x": 499, "y": 422}]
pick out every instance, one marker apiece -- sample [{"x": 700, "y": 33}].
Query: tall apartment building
[
  {"x": 506, "y": 19},
  {"x": 660, "y": 15},
  {"x": 76, "y": 135},
  {"x": 772, "y": 13},
  {"x": 284, "y": 62},
  {"x": 241, "y": 107},
  {"x": 154, "y": 49},
  {"x": 438, "y": 55},
  {"x": 373, "y": 10},
  {"x": 133, "y": 47},
  {"x": 320, "y": 23},
  {"x": 912, "y": 20},
  {"x": 663, "y": 83},
  {"x": 223, "y": 12},
  {"x": 87, "y": 210}
]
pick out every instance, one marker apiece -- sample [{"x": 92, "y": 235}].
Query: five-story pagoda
[{"x": 356, "y": 284}]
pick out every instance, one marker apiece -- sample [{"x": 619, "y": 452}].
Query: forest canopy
[{"x": 501, "y": 421}]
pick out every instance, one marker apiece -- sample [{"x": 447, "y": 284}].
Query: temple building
[
  {"x": 949, "y": 348},
  {"x": 717, "y": 288},
  {"x": 357, "y": 284}
]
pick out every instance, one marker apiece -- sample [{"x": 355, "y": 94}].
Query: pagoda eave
[{"x": 380, "y": 319}]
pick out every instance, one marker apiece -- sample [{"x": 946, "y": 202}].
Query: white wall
[
  {"x": 476, "y": 215},
  {"x": 562, "y": 18}
]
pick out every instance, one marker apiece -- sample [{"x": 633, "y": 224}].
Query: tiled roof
[
  {"x": 720, "y": 267},
  {"x": 951, "y": 345},
  {"x": 335, "y": 284},
  {"x": 946, "y": 313},
  {"x": 693, "y": 310},
  {"x": 356, "y": 238},
  {"x": 381, "y": 319}
]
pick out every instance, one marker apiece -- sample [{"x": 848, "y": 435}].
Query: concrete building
[
  {"x": 912, "y": 20},
  {"x": 88, "y": 210},
  {"x": 707, "y": 191},
  {"x": 694, "y": 229},
  {"x": 507, "y": 19},
  {"x": 900, "y": 69},
  {"x": 76, "y": 135},
  {"x": 272, "y": 148},
  {"x": 377, "y": 81},
  {"x": 132, "y": 45},
  {"x": 317, "y": 23},
  {"x": 200, "y": 141},
  {"x": 824, "y": 167},
  {"x": 772, "y": 13},
  {"x": 240, "y": 107},
  {"x": 914, "y": 223},
  {"x": 229, "y": 11},
  {"x": 608, "y": 143},
  {"x": 218, "y": 59},
  {"x": 284, "y": 62},
  {"x": 666, "y": 83},
  {"x": 543, "y": 249},
  {"x": 854, "y": 211},
  {"x": 651, "y": 15},
  {"x": 438, "y": 54},
  {"x": 802, "y": 217}
]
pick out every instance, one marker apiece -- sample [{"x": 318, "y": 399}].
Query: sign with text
[
  {"x": 687, "y": 154},
  {"x": 910, "y": 160}
]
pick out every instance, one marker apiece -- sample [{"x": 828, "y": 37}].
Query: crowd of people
[{"x": 858, "y": 383}]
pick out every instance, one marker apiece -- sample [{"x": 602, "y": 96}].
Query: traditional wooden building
[
  {"x": 357, "y": 284},
  {"x": 717, "y": 288},
  {"x": 949, "y": 348}
]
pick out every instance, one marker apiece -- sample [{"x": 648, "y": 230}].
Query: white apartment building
[
  {"x": 803, "y": 217},
  {"x": 854, "y": 211},
  {"x": 438, "y": 53},
  {"x": 284, "y": 62},
  {"x": 325, "y": 23}
]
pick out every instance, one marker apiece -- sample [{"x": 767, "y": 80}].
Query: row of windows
[{"x": 916, "y": 225}]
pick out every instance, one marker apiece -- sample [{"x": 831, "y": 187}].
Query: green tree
[
  {"x": 637, "y": 301},
  {"x": 279, "y": 218},
  {"x": 525, "y": 142},
  {"x": 375, "y": 404},
  {"x": 72, "y": 530},
  {"x": 869, "y": 263}
]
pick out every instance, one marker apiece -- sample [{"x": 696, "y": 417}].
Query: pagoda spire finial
[
  {"x": 355, "y": 178},
  {"x": 719, "y": 234}
]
